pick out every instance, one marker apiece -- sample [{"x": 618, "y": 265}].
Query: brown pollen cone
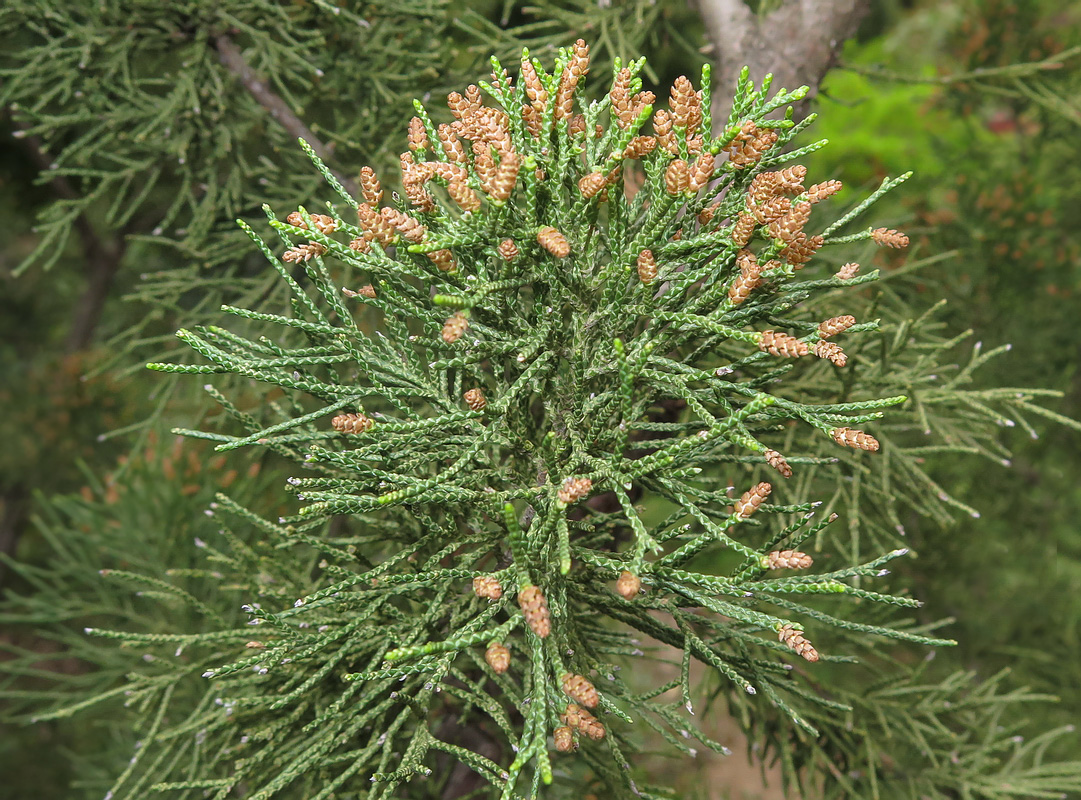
[
  {"x": 488, "y": 587},
  {"x": 750, "y": 500},
  {"x": 628, "y": 585},
  {"x": 351, "y": 423},
  {"x": 578, "y": 688},
  {"x": 498, "y": 657},
  {"x": 535, "y": 610}
]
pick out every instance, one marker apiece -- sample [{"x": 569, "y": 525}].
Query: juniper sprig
[{"x": 564, "y": 317}]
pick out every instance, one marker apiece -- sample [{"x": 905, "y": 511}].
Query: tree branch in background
[
  {"x": 798, "y": 42},
  {"x": 233, "y": 59}
]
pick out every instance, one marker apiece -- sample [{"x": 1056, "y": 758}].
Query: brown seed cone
[
  {"x": 452, "y": 145},
  {"x": 820, "y": 191},
  {"x": 743, "y": 229},
  {"x": 564, "y": 738},
  {"x": 677, "y": 177},
  {"x": 418, "y": 137},
  {"x": 406, "y": 225},
  {"x": 764, "y": 187},
  {"x": 794, "y": 638},
  {"x": 835, "y": 325},
  {"x": 553, "y": 241},
  {"x": 474, "y": 398},
  {"x": 781, "y": 344},
  {"x": 791, "y": 223},
  {"x": 703, "y": 171},
  {"x": 790, "y": 179},
  {"x": 351, "y": 423},
  {"x": 379, "y": 228},
  {"x": 303, "y": 252},
  {"x": 578, "y": 688},
  {"x": 750, "y": 500},
  {"x": 628, "y": 585},
  {"x": 487, "y": 586},
  {"x": 773, "y": 209},
  {"x": 789, "y": 559},
  {"x": 574, "y": 489},
  {"x": 647, "y": 267},
  {"x": 848, "y": 271},
  {"x": 508, "y": 249},
  {"x": 370, "y": 186},
  {"x": 849, "y": 437},
  {"x": 581, "y": 720},
  {"x": 535, "y": 610},
  {"x": 742, "y": 286},
  {"x": 640, "y": 146},
  {"x": 498, "y": 657},
  {"x": 620, "y": 99},
  {"x": 778, "y": 462},
  {"x": 454, "y": 327},
  {"x": 591, "y": 184},
  {"x": 506, "y": 175},
  {"x": 831, "y": 351},
  {"x": 443, "y": 259},
  {"x": 321, "y": 222},
  {"x": 888, "y": 237}
]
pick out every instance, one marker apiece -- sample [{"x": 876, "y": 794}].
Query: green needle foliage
[{"x": 507, "y": 443}]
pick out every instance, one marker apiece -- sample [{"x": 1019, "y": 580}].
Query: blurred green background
[{"x": 133, "y": 193}]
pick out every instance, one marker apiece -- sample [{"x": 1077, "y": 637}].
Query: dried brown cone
[
  {"x": 303, "y": 252},
  {"x": 790, "y": 179},
  {"x": 582, "y": 721},
  {"x": 488, "y": 587},
  {"x": 321, "y": 222},
  {"x": 452, "y": 145},
  {"x": 534, "y": 89},
  {"x": 628, "y": 585},
  {"x": 474, "y": 398},
  {"x": 640, "y": 146},
  {"x": 848, "y": 271},
  {"x": 576, "y": 69},
  {"x": 772, "y": 209},
  {"x": 684, "y": 105},
  {"x": 373, "y": 223},
  {"x": 641, "y": 100},
  {"x": 532, "y": 119},
  {"x": 620, "y": 98},
  {"x": 406, "y": 225},
  {"x": 781, "y": 344},
  {"x": 742, "y": 286},
  {"x": 574, "y": 489},
  {"x": 849, "y": 437},
  {"x": 820, "y": 191},
  {"x": 553, "y": 241},
  {"x": 764, "y": 186},
  {"x": 498, "y": 657},
  {"x": 647, "y": 267},
  {"x": 788, "y": 559},
  {"x": 750, "y": 500},
  {"x": 351, "y": 423},
  {"x": 454, "y": 327},
  {"x": 743, "y": 229},
  {"x": 791, "y": 223},
  {"x": 677, "y": 177},
  {"x": 443, "y": 259},
  {"x": 801, "y": 248},
  {"x": 703, "y": 171},
  {"x": 662, "y": 128},
  {"x": 590, "y": 185},
  {"x": 508, "y": 250},
  {"x": 578, "y": 688},
  {"x": 778, "y": 462},
  {"x": 694, "y": 145},
  {"x": 535, "y": 610},
  {"x": 367, "y": 292},
  {"x": 835, "y": 325},
  {"x": 830, "y": 350},
  {"x": 794, "y": 638},
  {"x": 888, "y": 237},
  {"x": 413, "y": 178},
  {"x": 577, "y": 125},
  {"x": 705, "y": 216},
  {"x": 418, "y": 137},
  {"x": 370, "y": 186},
  {"x": 564, "y": 738},
  {"x": 464, "y": 196},
  {"x": 506, "y": 175},
  {"x": 362, "y": 243}
]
